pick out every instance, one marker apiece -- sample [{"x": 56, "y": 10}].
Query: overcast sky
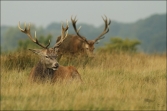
[{"x": 42, "y": 13}]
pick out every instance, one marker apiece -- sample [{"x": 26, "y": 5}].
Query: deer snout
[{"x": 56, "y": 65}]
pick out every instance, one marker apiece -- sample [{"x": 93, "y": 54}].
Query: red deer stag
[
  {"x": 78, "y": 44},
  {"x": 48, "y": 68}
]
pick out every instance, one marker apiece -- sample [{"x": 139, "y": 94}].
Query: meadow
[{"x": 111, "y": 82}]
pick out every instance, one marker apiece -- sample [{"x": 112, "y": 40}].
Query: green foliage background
[
  {"x": 119, "y": 45},
  {"x": 151, "y": 32}
]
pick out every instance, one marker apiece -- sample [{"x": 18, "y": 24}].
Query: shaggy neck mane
[{"x": 42, "y": 72}]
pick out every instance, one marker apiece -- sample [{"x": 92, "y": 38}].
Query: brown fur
[
  {"x": 63, "y": 73},
  {"x": 74, "y": 45},
  {"x": 66, "y": 74}
]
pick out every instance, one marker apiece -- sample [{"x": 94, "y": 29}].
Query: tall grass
[{"x": 111, "y": 82}]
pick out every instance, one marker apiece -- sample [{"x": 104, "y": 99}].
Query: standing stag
[
  {"x": 78, "y": 44},
  {"x": 48, "y": 68}
]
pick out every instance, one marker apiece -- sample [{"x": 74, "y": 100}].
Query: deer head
[
  {"x": 88, "y": 45},
  {"x": 48, "y": 56}
]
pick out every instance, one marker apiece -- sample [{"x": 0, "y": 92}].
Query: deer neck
[{"x": 44, "y": 71}]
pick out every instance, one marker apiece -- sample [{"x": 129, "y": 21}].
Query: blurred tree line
[{"x": 151, "y": 32}]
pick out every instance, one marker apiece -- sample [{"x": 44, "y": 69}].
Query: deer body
[
  {"x": 66, "y": 74},
  {"x": 74, "y": 45},
  {"x": 63, "y": 73}
]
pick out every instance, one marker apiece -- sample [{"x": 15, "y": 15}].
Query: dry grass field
[{"x": 111, "y": 82}]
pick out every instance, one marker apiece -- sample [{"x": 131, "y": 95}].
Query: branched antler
[
  {"x": 64, "y": 33},
  {"x": 75, "y": 28},
  {"x": 28, "y": 33},
  {"x": 106, "y": 29}
]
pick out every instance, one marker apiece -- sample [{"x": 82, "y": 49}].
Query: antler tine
[
  {"x": 106, "y": 29},
  {"x": 64, "y": 33},
  {"x": 28, "y": 33},
  {"x": 107, "y": 23},
  {"x": 79, "y": 29},
  {"x": 28, "y": 26},
  {"x": 67, "y": 26},
  {"x": 75, "y": 28},
  {"x": 36, "y": 41},
  {"x": 66, "y": 29},
  {"x": 20, "y": 27}
]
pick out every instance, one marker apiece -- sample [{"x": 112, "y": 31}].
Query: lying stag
[
  {"x": 78, "y": 44},
  {"x": 48, "y": 68}
]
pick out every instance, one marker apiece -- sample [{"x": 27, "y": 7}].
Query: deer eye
[{"x": 46, "y": 56}]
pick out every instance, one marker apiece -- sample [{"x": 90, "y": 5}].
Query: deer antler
[
  {"x": 75, "y": 28},
  {"x": 106, "y": 29},
  {"x": 27, "y": 31},
  {"x": 64, "y": 33}
]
